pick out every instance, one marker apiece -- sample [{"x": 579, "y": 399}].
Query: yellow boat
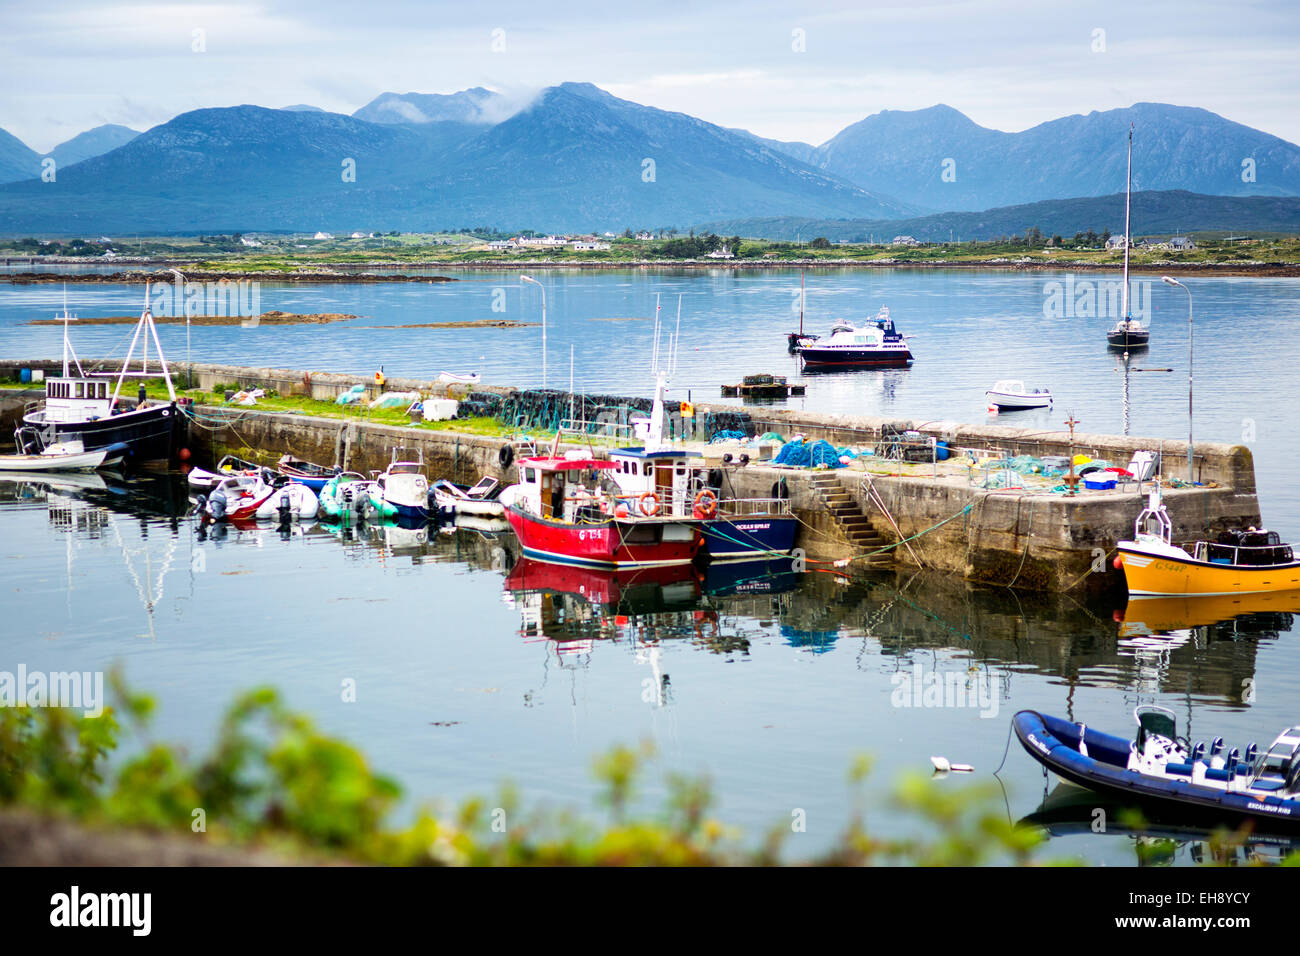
[{"x": 1240, "y": 562}]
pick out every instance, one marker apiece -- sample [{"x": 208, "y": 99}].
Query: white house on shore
[
  {"x": 905, "y": 241},
  {"x": 644, "y": 237},
  {"x": 323, "y": 235},
  {"x": 722, "y": 252},
  {"x": 1180, "y": 244},
  {"x": 587, "y": 245},
  {"x": 1115, "y": 242}
]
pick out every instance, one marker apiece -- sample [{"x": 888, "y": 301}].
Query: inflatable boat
[{"x": 1159, "y": 769}]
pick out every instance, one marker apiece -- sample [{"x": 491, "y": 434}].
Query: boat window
[
  {"x": 529, "y": 476},
  {"x": 645, "y": 468}
]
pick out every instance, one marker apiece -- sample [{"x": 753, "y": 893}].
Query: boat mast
[
  {"x": 801, "y": 301},
  {"x": 1128, "y": 191}
]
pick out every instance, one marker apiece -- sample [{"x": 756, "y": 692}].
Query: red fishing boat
[{"x": 562, "y": 512}]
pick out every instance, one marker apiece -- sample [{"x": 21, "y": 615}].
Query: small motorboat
[
  {"x": 452, "y": 378},
  {"x": 291, "y": 499},
  {"x": 1238, "y": 562},
  {"x": 250, "y": 497},
  {"x": 345, "y": 497},
  {"x": 305, "y": 472},
  {"x": 237, "y": 498},
  {"x": 69, "y": 455},
  {"x": 1163, "y": 770},
  {"x": 482, "y": 499},
  {"x": 1010, "y": 394},
  {"x": 231, "y": 466},
  {"x": 877, "y": 344},
  {"x": 402, "y": 491}
]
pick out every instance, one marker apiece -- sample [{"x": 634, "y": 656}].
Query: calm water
[{"x": 471, "y": 670}]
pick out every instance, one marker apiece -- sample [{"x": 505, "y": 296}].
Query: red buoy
[
  {"x": 1118, "y": 563},
  {"x": 184, "y": 454}
]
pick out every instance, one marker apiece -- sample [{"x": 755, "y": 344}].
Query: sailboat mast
[
  {"x": 1128, "y": 192},
  {"x": 801, "y": 302}
]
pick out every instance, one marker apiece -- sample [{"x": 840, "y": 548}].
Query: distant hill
[
  {"x": 907, "y": 153},
  {"x": 475, "y": 105},
  {"x": 1153, "y": 213},
  {"x": 573, "y": 160},
  {"x": 17, "y": 159},
  {"x": 93, "y": 142}
]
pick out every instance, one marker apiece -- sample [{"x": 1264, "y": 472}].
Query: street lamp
[
  {"x": 180, "y": 290},
  {"x": 1172, "y": 281},
  {"x": 543, "y": 288}
]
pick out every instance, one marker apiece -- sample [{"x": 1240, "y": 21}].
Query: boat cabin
[
  {"x": 77, "y": 399},
  {"x": 672, "y": 476},
  {"x": 563, "y": 488}
]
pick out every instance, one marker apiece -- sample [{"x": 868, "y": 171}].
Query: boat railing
[{"x": 1243, "y": 555}]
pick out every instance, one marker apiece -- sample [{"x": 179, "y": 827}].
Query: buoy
[
  {"x": 1118, "y": 563},
  {"x": 183, "y": 454}
]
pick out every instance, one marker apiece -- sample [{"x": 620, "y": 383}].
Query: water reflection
[
  {"x": 1196, "y": 648},
  {"x": 1155, "y": 838}
]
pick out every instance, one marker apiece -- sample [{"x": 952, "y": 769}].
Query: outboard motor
[
  {"x": 217, "y": 505},
  {"x": 285, "y": 507}
]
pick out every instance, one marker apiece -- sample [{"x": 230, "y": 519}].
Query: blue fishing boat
[{"x": 1159, "y": 769}]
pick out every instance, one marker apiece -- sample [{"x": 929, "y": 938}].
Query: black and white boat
[
  {"x": 88, "y": 407},
  {"x": 877, "y": 344},
  {"x": 1128, "y": 334},
  {"x": 1160, "y": 769}
]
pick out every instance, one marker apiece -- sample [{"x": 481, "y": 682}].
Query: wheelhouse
[{"x": 561, "y": 488}]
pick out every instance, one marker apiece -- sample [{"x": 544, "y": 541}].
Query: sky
[{"x": 782, "y": 70}]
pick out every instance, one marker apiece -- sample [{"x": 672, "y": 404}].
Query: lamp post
[
  {"x": 543, "y": 288},
  {"x": 179, "y": 290},
  {"x": 1172, "y": 281}
]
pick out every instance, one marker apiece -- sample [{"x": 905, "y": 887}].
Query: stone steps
[{"x": 853, "y": 524}]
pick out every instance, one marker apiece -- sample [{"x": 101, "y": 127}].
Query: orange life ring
[
  {"x": 706, "y": 504},
  {"x": 648, "y": 504}
]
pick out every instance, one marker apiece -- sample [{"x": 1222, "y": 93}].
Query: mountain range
[{"x": 575, "y": 158}]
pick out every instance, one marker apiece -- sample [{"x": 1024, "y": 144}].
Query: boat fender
[
  {"x": 744, "y": 459},
  {"x": 726, "y": 459},
  {"x": 1118, "y": 563},
  {"x": 782, "y": 489},
  {"x": 715, "y": 477},
  {"x": 506, "y": 456}
]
